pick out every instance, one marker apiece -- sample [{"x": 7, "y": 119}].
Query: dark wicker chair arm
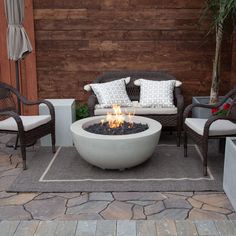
[
  {"x": 47, "y": 103},
  {"x": 190, "y": 107},
  {"x": 92, "y": 101},
  {"x": 215, "y": 118},
  {"x": 25, "y": 101},
  {"x": 16, "y": 117},
  {"x": 16, "y": 92},
  {"x": 187, "y": 111},
  {"x": 216, "y": 105}
]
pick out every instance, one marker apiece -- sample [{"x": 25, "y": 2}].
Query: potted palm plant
[{"x": 220, "y": 12}]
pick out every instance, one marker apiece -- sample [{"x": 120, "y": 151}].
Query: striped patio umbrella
[{"x": 18, "y": 43}]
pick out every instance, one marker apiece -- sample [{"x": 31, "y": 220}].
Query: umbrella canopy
[{"x": 18, "y": 43}]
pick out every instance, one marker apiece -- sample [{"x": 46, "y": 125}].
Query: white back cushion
[
  {"x": 88, "y": 87},
  {"x": 110, "y": 93},
  {"x": 156, "y": 93}
]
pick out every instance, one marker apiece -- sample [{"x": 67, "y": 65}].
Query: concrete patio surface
[{"x": 135, "y": 211}]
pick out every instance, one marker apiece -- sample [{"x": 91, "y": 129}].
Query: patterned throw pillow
[
  {"x": 156, "y": 93},
  {"x": 110, "y": 93}
]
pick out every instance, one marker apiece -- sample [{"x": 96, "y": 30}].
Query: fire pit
[{"x": 116, "y": 151}]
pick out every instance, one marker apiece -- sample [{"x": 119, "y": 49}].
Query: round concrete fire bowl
[{"x": 115, "y": 151}]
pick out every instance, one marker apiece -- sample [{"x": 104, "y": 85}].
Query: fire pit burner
[{"x": 126, "y": 128}]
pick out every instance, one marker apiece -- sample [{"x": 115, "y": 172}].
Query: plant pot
[
  {"x": 200, "y": 112},
  {"x": 229, "y": 180}
]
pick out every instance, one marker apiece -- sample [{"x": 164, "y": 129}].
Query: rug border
[{"x": 210, "y": 177}]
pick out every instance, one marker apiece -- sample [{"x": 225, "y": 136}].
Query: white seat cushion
[
  {"x": 138, "y": 110},
  {"x": 219, "y": 127},
  {"x": 29, "y": 122}
]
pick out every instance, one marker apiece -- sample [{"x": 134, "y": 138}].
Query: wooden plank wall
[
  {"x": 28, "y": 79},
  {"x": 76, "y": 40},
  {"x": 233, "y": 78}
]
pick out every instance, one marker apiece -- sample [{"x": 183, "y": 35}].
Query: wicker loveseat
[{"x": 166, "y": 118}]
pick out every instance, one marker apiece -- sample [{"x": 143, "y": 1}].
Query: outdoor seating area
[
  {"x": 168, "y": 116},
  {"x": 117, "y": 118}
]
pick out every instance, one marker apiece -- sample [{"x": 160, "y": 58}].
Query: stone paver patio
[{"x": 104, "y": 205}]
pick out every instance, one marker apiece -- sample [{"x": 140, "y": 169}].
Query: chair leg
[
  {"x": 22, "y": 149},
  {"x": 185, "y": 144},
  {"x": 222, "y": 145},
  {"x": 16, "y": 143},
  {"x": 53, "y": 138},
  {"x": 178, "y": 136},
  {"x": 205, "y": 152},
  {"x": 23, "y": 154}
]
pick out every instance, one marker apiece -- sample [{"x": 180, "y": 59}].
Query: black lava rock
[{"x": 126, "y": 128}]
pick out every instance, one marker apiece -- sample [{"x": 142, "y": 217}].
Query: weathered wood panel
[
  {"x": 78, "y": 40},
  {"x": 29, "y": 74},
  {"x": 121, "y": 4},
  {"x": 233, "y": 75},
  {"x": 28, "y": 80}
]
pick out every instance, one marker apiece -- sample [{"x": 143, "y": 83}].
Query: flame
[
  {"x": 117, "y": 118},
  {"x": 102, "y": 122}
]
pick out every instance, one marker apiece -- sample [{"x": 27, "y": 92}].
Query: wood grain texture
[
  {"x": 29, "y": 78},
  {"x": 233, "y": 75},
  {"x": 28, "y": 74},
  {"x": 78, "y": 40}
]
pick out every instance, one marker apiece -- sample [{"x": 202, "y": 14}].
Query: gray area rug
[{"x": 166, "y": 170}]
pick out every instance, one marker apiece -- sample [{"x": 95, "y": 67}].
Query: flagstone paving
[{"x": 104, "y": 205}]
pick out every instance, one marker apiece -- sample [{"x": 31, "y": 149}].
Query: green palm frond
[{"x": 220, "y": 10}]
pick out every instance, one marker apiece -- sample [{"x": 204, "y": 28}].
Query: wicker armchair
[
  {"x": 167, "y": 120},
  {"x": 27, "y": 128},
  {"x": 216, "y": 127}
]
